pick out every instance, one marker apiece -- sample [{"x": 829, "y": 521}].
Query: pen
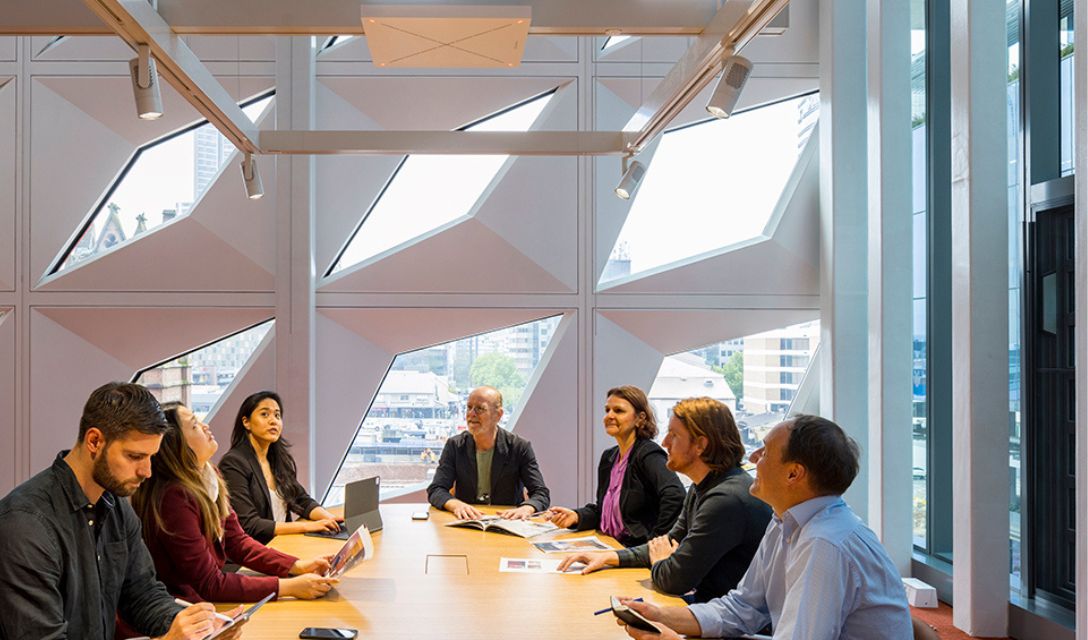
[
  {"x": 597, "y": 613},
  {"x": 223, "y": 617}
]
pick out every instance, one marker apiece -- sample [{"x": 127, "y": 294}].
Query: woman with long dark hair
[
  {"x": 192, "y": 532},
  {"x": 638, "y": 498},
  {"x": 262, "y": 477}
]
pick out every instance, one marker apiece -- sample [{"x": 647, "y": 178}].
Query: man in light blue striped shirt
[{"x": 819, "y": 573}]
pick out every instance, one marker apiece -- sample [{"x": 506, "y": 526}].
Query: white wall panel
[
  {"x": 7, "y": 401},
  {"x": 620, "y": 358},
  {"x": 644, "y": 49},
  {"x": 8, "y": 116},
  {"x": 537, "y": 49},
  {"x": 9, "y": 49},
  {"x": 232, "y": 48},
  {"x": 64, "y": 370},
  {"x": 79, "y": 48}
]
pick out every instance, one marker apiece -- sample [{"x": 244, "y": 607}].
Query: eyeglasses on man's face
[{"x": 477, "y": 408}]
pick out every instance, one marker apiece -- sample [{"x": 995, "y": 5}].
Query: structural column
[
  {"x": 294, "y": 193},
  {"x": 843, "y": 239},
  {"x": 980, "y": 334},
  {"x": 890, "y": 267}
]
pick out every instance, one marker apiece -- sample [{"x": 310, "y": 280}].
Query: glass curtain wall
[
  {"x": 919, "y": 196},
  {"x": 1014, "y": 10}
]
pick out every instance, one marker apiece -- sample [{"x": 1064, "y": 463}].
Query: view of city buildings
[
  {"x": 421, "y": 402},
  {"x": 198, "y": 379}
]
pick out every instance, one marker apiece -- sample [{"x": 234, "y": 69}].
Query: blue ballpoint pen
[{"x": 597, "y": 613}]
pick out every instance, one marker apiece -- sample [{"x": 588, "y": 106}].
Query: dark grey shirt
[
  {"x": 59, "y": 579},
  {"x": 718, "y": 531}
]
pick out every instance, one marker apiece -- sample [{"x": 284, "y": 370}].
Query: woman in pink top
[{"x": 638, "y": 498}]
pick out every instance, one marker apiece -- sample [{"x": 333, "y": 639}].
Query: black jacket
[
  {"x": 513, "y": 471},
  {"x": 719, "y": 531},
  {"x": 58, "y": 581},
  {"x": 249, "y": 493},
  {"x": 650, "y": 499}
]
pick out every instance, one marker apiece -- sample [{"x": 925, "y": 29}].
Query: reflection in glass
[
  {"x": 427, "y": 192},
  {"x": 199, "y": 378},
  {"x": 162, "y": 181},
  {"x": 920, "y": 193},
  {"x": 712, "y": 184},
  {"x": 1066, "y": 84},
  {"x": 1015, "y": 153},
  {"x": 421, "y": 403}
]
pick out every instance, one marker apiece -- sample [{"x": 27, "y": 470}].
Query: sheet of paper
[
  {"x": 572, "y": 545},
  {"x": 536, "y": 565}
]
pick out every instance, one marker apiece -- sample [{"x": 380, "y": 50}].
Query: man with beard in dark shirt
[{"x": 73, "y": 555}]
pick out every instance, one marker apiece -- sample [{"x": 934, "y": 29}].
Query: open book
[{"x": 523, "y": 528}]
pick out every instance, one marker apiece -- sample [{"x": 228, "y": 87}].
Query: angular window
[
  {"x": 331, "y": 42},
  {"x": 712, "y": 184},
  {"x": 1016, "y": 190},
  {"x": 421, "y": 403},
  {"x": 427, "y": 192},
  {"x": 613, "y": 41},
  {"x": 750, "y": 375},
  {"x": 162, "y": 181},
  {"x": 200, "y": 377}
]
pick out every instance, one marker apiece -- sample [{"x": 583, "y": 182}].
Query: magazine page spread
[
  {"x": 358, "y": 547},
  {"x": 573, "y": 545},
  {"x": 523, "y": 528},
  {"x": 536, "y": 565}
]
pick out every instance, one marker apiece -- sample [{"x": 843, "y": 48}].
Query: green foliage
[
  {"x": 733, "y": 371},
  {"x": 500, "y": 371}
]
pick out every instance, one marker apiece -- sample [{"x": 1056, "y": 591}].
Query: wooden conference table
[{"x": 431, "y": 581}]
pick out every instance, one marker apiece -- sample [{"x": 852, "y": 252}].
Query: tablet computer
[{"x": 241, "y": 617}]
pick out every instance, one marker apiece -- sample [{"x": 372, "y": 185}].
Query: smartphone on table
[{"x": 326, "y": 633}]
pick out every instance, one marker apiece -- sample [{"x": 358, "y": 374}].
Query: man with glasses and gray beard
[
  {"x": 488, "y": 465},
  {"x": 73, "y": 556}
]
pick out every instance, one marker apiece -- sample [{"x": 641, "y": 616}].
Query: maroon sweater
[{"x": 191, "y": 567}]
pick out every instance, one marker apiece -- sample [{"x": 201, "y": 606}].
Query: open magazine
[
  {"x": 523, "y": 528},
  {"x": 358, "y": 547},
  {"x": 536, "y": 565},
  {"x": 573, "y": 545}
]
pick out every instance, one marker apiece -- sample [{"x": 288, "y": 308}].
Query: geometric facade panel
[
  {"x": 421, "y": 403},
  {"x": 783, "y": 258},
  {"x": 8, "y": 49},
  {"x": 537, "y": 49},
  {"x": 162, "y": 182},
  {"x": 428, "y": 192},
  {"x": 98, "y": 112},
  {"x": 87, "y": 346},
  {"x": 7, "y": 182},
  {"x": 355, "y": 349},
  {"x": 711, "y": 185}
]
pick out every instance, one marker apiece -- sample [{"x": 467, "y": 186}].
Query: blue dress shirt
[{"x": 819, "y": 574}]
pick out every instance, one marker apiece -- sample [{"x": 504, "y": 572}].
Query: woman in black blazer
[
  {"x": 258, "y": 464},
  {"x": 641, "y": 499}
]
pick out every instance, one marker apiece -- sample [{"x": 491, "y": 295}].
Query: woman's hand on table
[
  {"x": 563, "y": 517},
  {"x": 308, "y": 586},
  {"x": 319, "y": 565},
  {"x": 593, "y": 561}
]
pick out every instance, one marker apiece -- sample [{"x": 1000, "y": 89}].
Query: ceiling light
[
  {"x": 145, "y": 84},
  {"x": 633, "y": 171},
  {"x": 252, "y": 177},
  {"x": 735, "y": 72}
]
